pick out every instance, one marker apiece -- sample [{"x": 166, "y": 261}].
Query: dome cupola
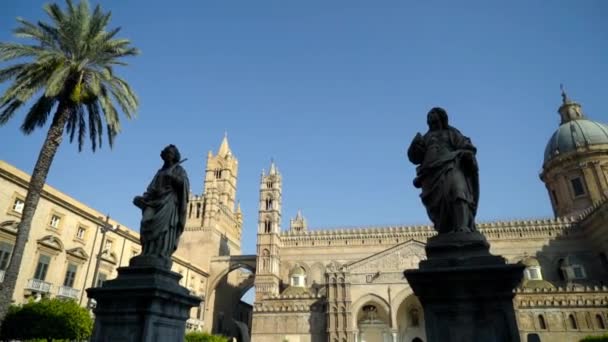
[{"x": 575, "y": 165}]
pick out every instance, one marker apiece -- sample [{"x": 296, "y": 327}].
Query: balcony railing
[
  {"x": 68, "y": 292},
  {"x": 1, "y": 276},
  {"x": 194, "y": 324},
  {"x": 38, "y": 285}
]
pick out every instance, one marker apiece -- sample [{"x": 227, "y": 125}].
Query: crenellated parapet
[
  {"x": 389, "y": 235},
  {"x": 564, "y": 297}
]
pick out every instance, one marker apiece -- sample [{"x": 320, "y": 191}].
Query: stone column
[
  {"x": 466, "y": 293},
  {"x": 395, "y": 335},
  {"x": 356, "y": 334}
]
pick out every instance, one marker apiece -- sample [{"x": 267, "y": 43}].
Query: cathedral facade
[
  {"x": 347, "y": 285},
  {"x": 340, "y": 285}
]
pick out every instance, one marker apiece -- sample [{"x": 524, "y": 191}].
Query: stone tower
[
  {"x": 575, "y": 167},
  {"x": 267, "y": 277},
  {"x": 214, "y": 223}
]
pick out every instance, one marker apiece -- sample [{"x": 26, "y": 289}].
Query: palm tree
[{"x": 69, "y": 68}]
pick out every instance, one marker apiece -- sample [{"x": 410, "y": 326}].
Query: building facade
[
  {"x": 347, "y": 285},
  {"x": 340, "y": 285},
  {"x": 68, "y": 251}
]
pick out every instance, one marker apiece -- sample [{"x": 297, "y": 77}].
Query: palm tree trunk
[{"x": 41, "y": 170}]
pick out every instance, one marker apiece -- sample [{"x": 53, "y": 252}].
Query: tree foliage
[
  {"x": 73, "y": 65},
  {"x": 50, "y": 319},
  {"x": 194, "y": 336},
  {"x": 602, "y": 338}
]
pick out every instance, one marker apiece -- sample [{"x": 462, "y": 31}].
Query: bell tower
[
  {"x": 267, "y": 277},
  {"x": 214, "y": 223}
]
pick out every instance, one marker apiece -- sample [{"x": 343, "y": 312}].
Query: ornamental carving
[{"x": 396, "y": 259}]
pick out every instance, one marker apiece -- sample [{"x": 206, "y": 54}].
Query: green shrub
[
  {"x": 48, "y": 319},
  {"x": 194, "y": 336},
  {"x": 602, "y": 338}
]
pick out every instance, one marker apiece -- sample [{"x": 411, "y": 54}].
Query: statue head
[
  {"x": 437, "y": 119},
  {"x": 170, "y": 154}
]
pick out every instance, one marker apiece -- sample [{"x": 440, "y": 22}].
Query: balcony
[
  {"x": 194, "y": 324},
  {"x": 38, "y": 285},
  {"x": 68, "y": 292},
  {"x": 1, "y": 276}
]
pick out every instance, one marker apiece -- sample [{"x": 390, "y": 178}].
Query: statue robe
[
  {"x": 446, "y": 176},
  {"x": 164, "y": 211}
]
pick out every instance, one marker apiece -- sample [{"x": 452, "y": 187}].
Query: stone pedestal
[
  {"x": 466, "y": 293},
  {"x": 141, "y": 304}
]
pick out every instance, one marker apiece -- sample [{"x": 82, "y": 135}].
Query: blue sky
[{"x": 334, "y": 91}]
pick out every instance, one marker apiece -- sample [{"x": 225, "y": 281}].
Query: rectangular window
[
  {"x": 578, "y": 272},
  {"x": 42, "y": 267},
  {"x": 70, "y": 274},
  {"x": 6, "y": 249},
  {"x": 101, "y": 277},
  {"x": 108, "y": 245},
  {"x": 55, "y": 221},
  {"x": 18, "y": 205},
  {"x": 80, "y": 232},
  {"x": 534, "y": 274},
  {"x": 577, "y": 186},
  {"x": 554, "y": 194}
]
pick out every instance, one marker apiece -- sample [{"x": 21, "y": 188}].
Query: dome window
[
  {"x": 577, "y": 187},
  {"x": 298, "y": 277},
  {"x": 573, "y": 269},
  {"x": 532, "y": 270}
]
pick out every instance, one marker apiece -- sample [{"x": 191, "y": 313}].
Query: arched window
[
  {"x": 269, "y": 185},
  {"x": 269, "y": 204},
  {"x": 267, "y": 226},
  {"x": 541, "y": 322},
  {"x": 298, "y": 277},
  {"x": 218, "y": 174},
  {"x": 572, "y": 322},
  {"x": 198, "y": 210},
  {"x": 190, "y": 211},
  {"x": 600, "y": 322},
  {"x": 265, "y": 259}
]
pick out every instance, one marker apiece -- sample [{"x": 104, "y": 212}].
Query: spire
[
  {"x": 273, "y": 168},
  {"x": 224, "y": 148},
  {"x": 569, "y": 110},
  {"x": 565, "y": 98},
  {"x": 238, "y": 208},
  {"x": 299, "y": 214}
]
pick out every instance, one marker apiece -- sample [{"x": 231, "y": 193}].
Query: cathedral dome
[
  {"x": 575, "y": 131},
  {"x": 576, "y": 134}
]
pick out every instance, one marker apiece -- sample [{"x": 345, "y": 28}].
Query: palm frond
[
  {"x": 71, "y": 61},
  {"x": 9, "y": 110},
  {"x": 38, "y": 114},
  {"x": 10, "y": 51}
]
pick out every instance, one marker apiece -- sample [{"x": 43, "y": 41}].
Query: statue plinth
[
  {"x": 466, "y": 292},
  {"x": 142, "y": 304}
]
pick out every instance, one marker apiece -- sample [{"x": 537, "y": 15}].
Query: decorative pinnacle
[{"x": 564, "y": 95}]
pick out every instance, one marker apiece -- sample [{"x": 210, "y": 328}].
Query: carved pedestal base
[
  {"x": 141, "y": 304},
  {"x": 465, "y": 291}
]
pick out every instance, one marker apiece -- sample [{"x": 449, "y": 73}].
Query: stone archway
[
  {"x": 230, "y": 278},
  {"x": 409, "y": 318},
  {"x": 371, "y": 314}
]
